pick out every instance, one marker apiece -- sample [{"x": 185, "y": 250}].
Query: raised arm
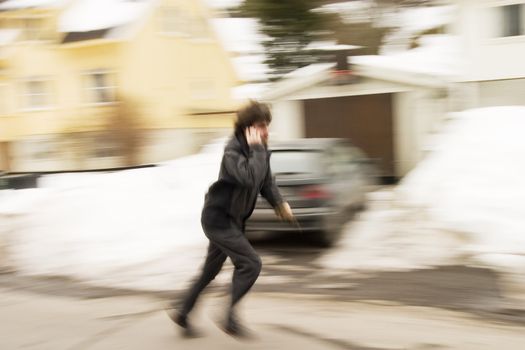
[{"x": 247, "y": 172}]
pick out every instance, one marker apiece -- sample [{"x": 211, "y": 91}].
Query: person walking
[{"x": 244, "y": 173}]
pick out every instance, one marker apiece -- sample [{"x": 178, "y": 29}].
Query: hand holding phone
[{"x": 253, "y": 137}]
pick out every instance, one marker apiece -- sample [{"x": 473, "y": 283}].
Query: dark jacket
[{"x": 244, "y": 173}]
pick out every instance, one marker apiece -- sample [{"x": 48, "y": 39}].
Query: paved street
[{"x": 37, "y": 321}]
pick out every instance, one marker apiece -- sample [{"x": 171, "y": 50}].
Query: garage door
[{"x": 366, "y": 120}]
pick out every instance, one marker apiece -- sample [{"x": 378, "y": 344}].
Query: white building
[
  {"x": 401, "y": 98},
  {"x": 492, "y": 34}
]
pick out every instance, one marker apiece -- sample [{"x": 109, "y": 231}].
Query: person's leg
[
  {"x": 212, "y": 266},
  {"x": 247, "y": 268}
]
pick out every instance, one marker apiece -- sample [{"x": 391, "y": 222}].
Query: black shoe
[
  {"x": 182, "y": 321},
  {"x": 233, "y": 327}
]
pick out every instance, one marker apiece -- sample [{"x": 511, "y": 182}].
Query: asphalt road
[{"x": 290, "y": 266}]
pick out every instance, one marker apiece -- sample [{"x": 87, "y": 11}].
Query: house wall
[
  {"x": 406, "y": 137},
  {"x": 288, "y": 120},
  {"x": 502, "y": 92},
  {"x": 175, "y": 75},
  {"x": 418, "y": 116},
  {"x": 489, "y": 55},
  {"x": 177, "y": 83},
  {"x": 4, "y": 156},
  {"x": 173, "y": 143},
  {"x": 57, "y": 153}
]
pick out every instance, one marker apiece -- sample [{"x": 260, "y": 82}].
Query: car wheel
[
  {"x": 325, "y": 238},
  {"x": 333, "y": 228}
]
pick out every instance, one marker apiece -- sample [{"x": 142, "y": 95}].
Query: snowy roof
[
  {"x": 411, "y": 19},
  {"x": 309, "y": 70},
  {"x": 251, "y": 67},
  {"x": 412, "y": 22},
  {"x": 23, "y": 4},
  {"x": 220, "y": 4},
  {"x": 330, "y": 46},
  {"x": 350, "y": 11},
  {"x": 438, "y": 57},
  {"x": 250, "y": 91},
  {"x": 299, "y": 79},
  {"x": 92, "y": 15},
  {"x": 418, "y": 19}
]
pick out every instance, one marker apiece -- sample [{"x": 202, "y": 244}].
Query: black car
[{"x": 323, "y": 180}]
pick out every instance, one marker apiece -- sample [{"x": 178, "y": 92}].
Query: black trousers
[{"x": 225, "y": 243}]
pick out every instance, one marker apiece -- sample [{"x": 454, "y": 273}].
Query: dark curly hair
[{"x": 254, "y": 112}]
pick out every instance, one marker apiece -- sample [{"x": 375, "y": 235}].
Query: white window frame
[{"x": 90, "y": 90}]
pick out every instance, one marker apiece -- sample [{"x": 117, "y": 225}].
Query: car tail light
[{"x": 314, "y": 192}]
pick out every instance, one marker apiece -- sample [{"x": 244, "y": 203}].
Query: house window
[
  {"x": 512, "y": 20},
  {"x": 101, "y": 87},
  {"x": 173, "y": 21},
  {"x": 36, "y": 94},
  {"x": 198, "y": 28},
  {"x": 43, "y": 149},
  {"x": 105, "y": 146},
  {"x": 33, "y": 29}
]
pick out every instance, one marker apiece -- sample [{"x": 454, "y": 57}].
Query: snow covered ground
[
  {"x": 463, "y": 204},
  {"x": 135, "y": 228}
]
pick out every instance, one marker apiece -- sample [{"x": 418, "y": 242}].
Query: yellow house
[{"x": 78, "y": 77}]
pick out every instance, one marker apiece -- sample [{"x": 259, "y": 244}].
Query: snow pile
[
  {"x": 391, "y": 236},
  {"x": 473, "y": 182},
  {"x": 136, "y": 228},
  {"x": 462, "y": 204}
]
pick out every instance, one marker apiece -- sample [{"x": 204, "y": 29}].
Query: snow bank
[
  {"x": 473, "y": 181},
  {"x": 136, "y": 228},
  {"x": 463, "y": 204}
]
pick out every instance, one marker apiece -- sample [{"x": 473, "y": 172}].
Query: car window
[
  {"x": 296, "y": 162},
  {"x": 357, "y": 155},
  {"x": 344, "y": 160}
]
